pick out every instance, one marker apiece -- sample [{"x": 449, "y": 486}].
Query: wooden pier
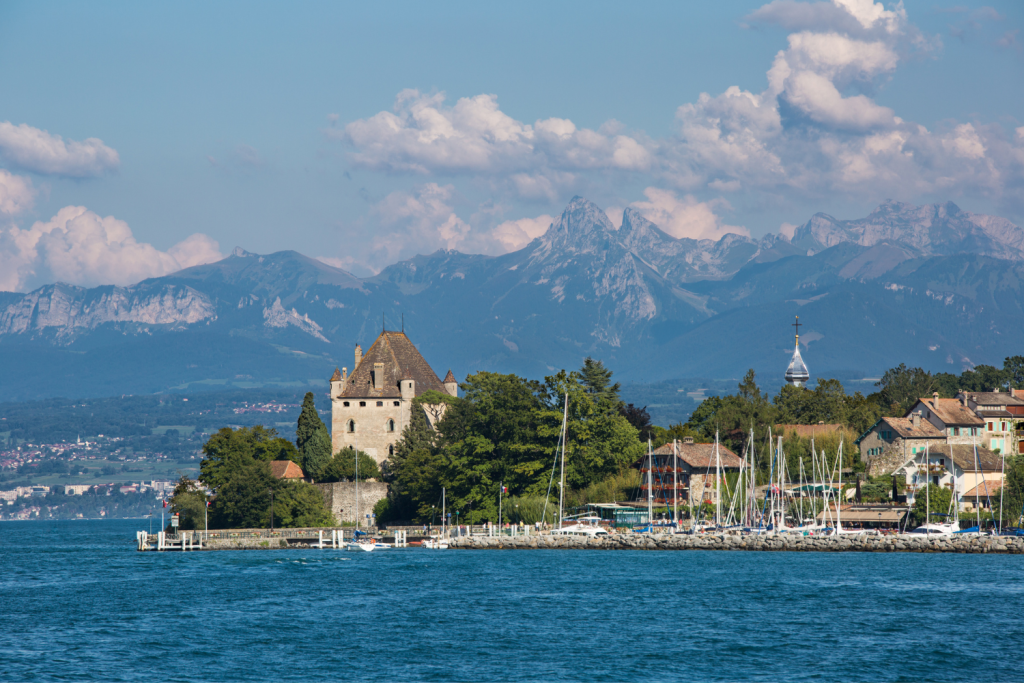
[{"x": 232, "y": 539}]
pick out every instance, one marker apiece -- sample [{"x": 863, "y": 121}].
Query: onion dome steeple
[{"x": 797, "y": 373}]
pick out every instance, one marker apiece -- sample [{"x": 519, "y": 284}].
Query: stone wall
[{"x": 340, "y": 498}]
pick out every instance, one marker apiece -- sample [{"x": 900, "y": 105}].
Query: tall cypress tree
[
  {"x": 317, "y": 455},
  {"x": 312, "y": 439},
  {"x": 309, "y": 422}
]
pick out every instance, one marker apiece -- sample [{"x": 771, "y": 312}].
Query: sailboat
[
  {"x": 929, "y": 527},
  {"x": 439, "y": 542},
  {"x": 586, "y": 525}
]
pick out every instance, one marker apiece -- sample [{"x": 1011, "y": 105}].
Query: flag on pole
[
  {"x": 165, "y": 502},
  {"x": 504, "y": 489}
]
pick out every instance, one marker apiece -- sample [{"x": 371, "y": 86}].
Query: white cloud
[
  {"x": 513, "y": 235},
  {"x": 39, "y": 151},
  {"x": 814, "y": 131},
  {"x": 418, "y": 222},
  {"x": 685, "y": 217},
  {"x": 79, "y": 247},
  {"x": 424, "y": 136},
  {"x": 16, "y": 193}
]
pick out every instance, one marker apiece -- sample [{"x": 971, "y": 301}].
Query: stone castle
[{"x": 371, "y": 406}]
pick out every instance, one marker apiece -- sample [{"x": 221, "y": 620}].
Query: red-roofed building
[{"x": 286, "y": 469}]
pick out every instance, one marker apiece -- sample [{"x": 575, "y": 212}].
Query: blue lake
[{"x": 77, "y": 601}]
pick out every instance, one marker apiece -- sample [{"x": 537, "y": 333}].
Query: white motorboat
[
  {"x": 435, "y": 543},
  {"x": 370, "y": 545},
  {"x": 584, "y": 526}
]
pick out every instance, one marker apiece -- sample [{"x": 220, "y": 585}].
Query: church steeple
[{"x": 797, "y": 373}]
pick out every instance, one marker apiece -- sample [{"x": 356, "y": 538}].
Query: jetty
[
  {"x": 871, "y": 543},
  {"x": 252, "y": 539}
]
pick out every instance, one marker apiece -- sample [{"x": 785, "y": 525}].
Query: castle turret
[
  {"x": 450, "y": 384},
  {"x": 336, "y": 384},
  {"x": 797, "y": 373},
  {"x": 408, "y": 386}
]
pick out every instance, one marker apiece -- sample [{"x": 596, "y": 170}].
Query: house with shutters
[
  {"x": 371, "y": 406},
  {"x": 688, "y": 467},
  {"x": 952, "y": 417},
  {"x": 958, "y": 467},
  {"x": 891, "y": 441},
  {"x": 1003, "y": 415}
]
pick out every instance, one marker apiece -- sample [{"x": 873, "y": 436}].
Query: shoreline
[{"x": 1002, "y": 545}]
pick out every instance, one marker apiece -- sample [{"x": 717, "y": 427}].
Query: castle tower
[
  {"x": 371, "y": 406},
  {"x": 450, "y": 384},
  {"x": 797, "y": 373}
]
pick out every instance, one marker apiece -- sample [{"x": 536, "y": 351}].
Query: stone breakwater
[{"x": 872, "y": 544}]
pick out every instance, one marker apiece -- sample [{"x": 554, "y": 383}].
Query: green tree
[
  {"x": 317, "y": 453},
  {"x": 230, "y": 450},
  {"x": 189, "y": 502},
  {"x": 901, "y": 387},
  {"x": 597, "y": 382},
  {"x": 984, "y": 378},
  {"x": 342, "y": 467},
  {"x": 1013, "y": 366},
  {"x": 937, "y": 499},
  {"x": 308, "y": 424},
  {"x": 947, "y": 384},
  {"x": 1013, "y": 494}
]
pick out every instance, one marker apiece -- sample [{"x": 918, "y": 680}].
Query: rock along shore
[{"x": 871, "y": 544}]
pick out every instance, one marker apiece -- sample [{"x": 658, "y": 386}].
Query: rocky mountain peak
[{"x": 583, "y": 228}]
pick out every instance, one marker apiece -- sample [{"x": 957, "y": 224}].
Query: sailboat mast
[
  {"x": 675, "y": 485},
  {"x": 357, "y": 485},
  {"x": 842, "y": 496},
  {"x": 561, "y": 483},
  {"x": 977, "y": 500},
  {"x": 718, "y": 484},
  {"x": 444, "y": 517},
  {"x": 650, "y": 485}
]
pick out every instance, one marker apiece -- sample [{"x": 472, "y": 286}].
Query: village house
[
  {"x": 1003, "y": 414},
  {"x": 286, "y": 469},
  {"x": 959, "y": 467},
  {"x": 371, "y": 407},
  {"x": 891, "y": 441},
  {"x": 952, "y": 417},
  {"x": 692, "y": 469}
]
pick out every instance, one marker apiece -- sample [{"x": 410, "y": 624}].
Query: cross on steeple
[{"x": 797, "y": 326}]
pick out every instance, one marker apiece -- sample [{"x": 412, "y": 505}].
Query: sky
[{"x": 140, "y": 138}]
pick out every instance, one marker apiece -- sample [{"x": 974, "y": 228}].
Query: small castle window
[
  {"x": 391, "y": 449},
  {"x": 380, "y": 404},
  {"x": 351, "y": 425},
  {"x": 397, "y": 404},
  {"x": 391, "y": 425},
  {"x": 362, "y": 404},
  {"x": 345, "y": 404}
]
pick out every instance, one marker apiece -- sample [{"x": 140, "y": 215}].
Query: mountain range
[{"x": 932, "y": 286}]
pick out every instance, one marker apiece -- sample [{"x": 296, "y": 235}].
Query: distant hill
[{"x": 931, "y": 286}]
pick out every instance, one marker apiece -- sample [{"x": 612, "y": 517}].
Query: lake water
[{"x": 77, "y": 601}]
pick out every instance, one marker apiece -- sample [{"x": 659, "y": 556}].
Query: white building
[{"x": 954, "y": 466}]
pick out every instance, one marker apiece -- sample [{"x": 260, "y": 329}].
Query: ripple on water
[{"x": 80, "y": 602}]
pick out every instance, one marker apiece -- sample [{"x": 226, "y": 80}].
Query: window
[
  {"x": 942, "y": 461},
  {"x": 935, "y": 480},
  {"x": 345, "y": 404},
  {"x": 956, "y": 431},
  {"x": 380, "y": 404},
  {"x": 351, "y": 425},
  {"x": 396, "y": 404},
  {"x": 390, "y": 425},
  {"x": 391, "y": 449},
  {"x": 990, "y": 427},
  {"x": 1002, "y": 427},
  {"x": 362, "y": 404}
]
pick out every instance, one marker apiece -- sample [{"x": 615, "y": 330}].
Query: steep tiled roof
[
  {"x": 401, "y": 359},
  {"x": 450, "y": 377},
  {"x": 904, "y": 426},
  {"x": 983, "y": 490},
  {"x": 950, "y": 411},
  {"x": 286, "y": 469},
  {"x": 336, "y": 377},
  {"x": 994, "y": 398},
  {"x": 963, "y": 456},
  {"x": 696, "y": 455},
  {"x": 808, "y": 430}
]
